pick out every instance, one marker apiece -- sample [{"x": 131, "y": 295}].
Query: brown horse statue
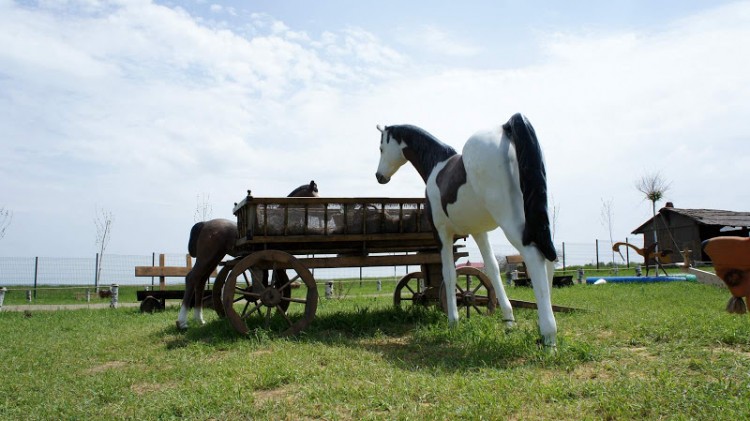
[
  {"x": 209, "y": 242},
  {"x": 731, "y": 260},
  {"x": 648, "y": 253}
]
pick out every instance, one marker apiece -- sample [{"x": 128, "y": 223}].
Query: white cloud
[
  {"x": 438, "y": 41},
  {"x": 140, "y": 107}
]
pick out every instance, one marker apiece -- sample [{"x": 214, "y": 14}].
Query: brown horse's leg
[{"x": 195, "y": 284}]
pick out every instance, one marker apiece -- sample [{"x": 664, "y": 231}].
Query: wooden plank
[
  {"x": 533, "y": 306},
  {"x": 167, "y": 271}
]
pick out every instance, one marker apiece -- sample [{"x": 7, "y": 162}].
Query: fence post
[
  {"x": 597, "y": 254},
  {"x": 36, "y": 274},
  {"x": 580, "y": 275},
  {"x": 28, "y": 295},
  {"x": 3, "y": 290},
  {"x": 380, "y": 285},
  {"x": 88, "y": 295},
  {"x": 627, "y": 255},
  {"x": 329, "y": 289},
  {"x": 563, "y": 253},
  {"x": 115, "y": 290},
  {"x": 153, "y": 263}
]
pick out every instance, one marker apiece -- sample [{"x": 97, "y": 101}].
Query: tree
[
  {"x": 203, "y": 208},
  {"x": 6, "y": 216},
  {"x": 555, "y": 213},
  {"x": 653, "y": 186},
  {"x": 103, "y": 220},
  {"x": 607, "y": 219}
]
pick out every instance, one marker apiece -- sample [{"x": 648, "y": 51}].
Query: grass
[{"x": 637, "y": 352}]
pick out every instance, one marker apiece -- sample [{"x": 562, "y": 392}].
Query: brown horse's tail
[{"x": 193, "y": 242}]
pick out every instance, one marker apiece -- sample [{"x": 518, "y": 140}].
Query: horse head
[
  {"x": 313, "y": 188},
  {"x": 391, "y": 155}
]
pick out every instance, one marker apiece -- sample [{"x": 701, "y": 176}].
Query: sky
[{"x": 150, "y": 109}]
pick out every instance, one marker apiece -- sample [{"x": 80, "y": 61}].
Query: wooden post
[
  {"x": 162, "y": 278},
  {"x": 380, "y": 285},
  {"x": 627, "y": 254},
  {"x": 597, "y": 254}
]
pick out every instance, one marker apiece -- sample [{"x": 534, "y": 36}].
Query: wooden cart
[{"x": 283, "y": 236}]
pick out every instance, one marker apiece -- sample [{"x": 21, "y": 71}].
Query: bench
[
  {"x": 515, "y": 262},
  {"x": 153, "y": 300}
]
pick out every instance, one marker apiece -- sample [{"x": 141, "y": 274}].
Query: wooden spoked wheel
[
  {"x": 411, "y": 289},
  {"x": 473, "y": 291},
  {"x": 249, "y": 301}
]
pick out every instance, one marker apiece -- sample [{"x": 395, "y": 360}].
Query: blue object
[{"x": 640, "y": 279}]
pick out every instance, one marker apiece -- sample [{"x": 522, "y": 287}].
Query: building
[{"x": 685, "y": 229}]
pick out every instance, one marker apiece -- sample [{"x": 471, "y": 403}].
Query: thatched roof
[{"x": 718, "y": 217}]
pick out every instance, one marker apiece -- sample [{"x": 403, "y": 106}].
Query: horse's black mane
[{"x": 426, "y": 150}]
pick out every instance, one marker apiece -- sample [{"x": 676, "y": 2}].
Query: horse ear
[{"x": 380, "y": 129}]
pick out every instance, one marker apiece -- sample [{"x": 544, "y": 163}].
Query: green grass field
[{"x": 654, "y": 351}]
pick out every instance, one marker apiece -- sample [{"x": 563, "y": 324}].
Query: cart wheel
[
  {"x": 473, "y": 291},
  {"x": 411, "y": 289},
  {"x": 151, "y": 304},
  {"x": 279, "y": 279},
  {"x": 247, "y": 297},
  {"x": 221, "y": 277}
]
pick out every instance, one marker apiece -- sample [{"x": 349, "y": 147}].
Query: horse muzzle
[{"x": 382, "y": 179}]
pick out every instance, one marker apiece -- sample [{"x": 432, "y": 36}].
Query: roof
[{"x": 718, "y": 217}]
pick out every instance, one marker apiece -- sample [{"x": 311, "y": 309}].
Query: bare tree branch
[
  {"x": 653, "y": 186},
  {"x": 103, "y": 220},
  {"x": 607, "y": 220},
  {"x": 6, "y": 216},
  {"x": 203, "y": 208}
]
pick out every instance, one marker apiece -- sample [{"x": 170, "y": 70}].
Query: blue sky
[{"x": 139, "y": 107}]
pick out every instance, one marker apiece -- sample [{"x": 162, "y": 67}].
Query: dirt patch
[
  {"x": 110, "y": 365},
  {"x": 272, "y": 395},
  {"x": 733, "y": 351},
  {"x": 143, "y": 388}
]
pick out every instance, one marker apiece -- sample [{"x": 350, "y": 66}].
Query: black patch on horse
[
  {"x": 450, "y": 178},
  {"x": 423, "y": 150},
  {"x": 533, "y": 185}
]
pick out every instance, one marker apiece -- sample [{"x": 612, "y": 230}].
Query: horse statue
[
  {"x": 731, "y": 259},
  {"x": 648, "y": 253},
  {"x": 498, "y": 180},
  {"x": 209, "y": 242}
]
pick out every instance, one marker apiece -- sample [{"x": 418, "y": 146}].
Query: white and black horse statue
[{"x": 498, "y": 180}]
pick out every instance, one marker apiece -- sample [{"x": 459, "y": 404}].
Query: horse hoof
[
  {"x": 181, "y": 326},
  {"x": 548, "y": 347},
  {"x": 509, "y": 324}
]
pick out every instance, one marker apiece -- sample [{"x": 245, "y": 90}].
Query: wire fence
[{"x": 119, "y": 269}]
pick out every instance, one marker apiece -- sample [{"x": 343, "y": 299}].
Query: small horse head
[
  {"x": 391, "y": 155},
  {"x": 313, "y": 188},
  {"x": 305, "y": 190}
]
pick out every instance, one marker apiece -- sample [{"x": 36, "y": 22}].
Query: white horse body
[{"x": 491, "y": 196}]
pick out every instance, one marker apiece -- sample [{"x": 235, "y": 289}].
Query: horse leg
[
  {"x": 190, "y": 280},
  {"x": 449, "y": 277},
  {"x": 195, "y": 283},
  {"x": 540, "y": 271},
  {"x": 493, "y": 272}
]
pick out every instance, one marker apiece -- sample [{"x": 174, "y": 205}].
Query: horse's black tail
[
  {"x": 193, "y": 242},
  {"x": 533, "y": 185}
]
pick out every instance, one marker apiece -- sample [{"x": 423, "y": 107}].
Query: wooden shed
[{"x": 685, "y": 229}]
